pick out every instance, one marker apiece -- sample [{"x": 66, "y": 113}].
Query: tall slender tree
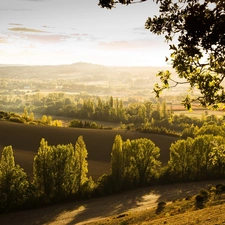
[
  {"x": 80, "y": 165},
  {"x": 117, "y": 162},
  {"x": 42, "y": 169},
  {"x": 62, "y": 159},
  {"x": 14, "y": 184}
]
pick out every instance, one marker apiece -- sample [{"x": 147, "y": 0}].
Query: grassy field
[
  {"x": 213, "y": 215},
  {"x": 25, "y": 140},
  {"x": 196, "y": 112}
]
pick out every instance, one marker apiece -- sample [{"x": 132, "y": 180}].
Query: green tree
[
  {"x": 49, "y": 120},
  {"x": 80, "y": 166},
  {"x": 61, "y": 171},
  {"x": 181, "y": 154},
  {"x": 42, "y": 171},
  {"x": 31, "y": 117},
  {"x": 25, "y": 114},
  {"x": 62, "y": 159},
  {"x": 194, "y": 30},
  {"x": 117, "y": 162},
  {"x": 217, "y": 156},
  {"x": 210, "y": 129},
  {"x": 145, "y": 154},
  {"x": 14, "y": 184},
  {"x": 200, "y": 165},
  {"x": 44, "y": 119},
  {"x": 130, "y": 176}
]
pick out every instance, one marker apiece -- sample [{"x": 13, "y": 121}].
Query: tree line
[
  {"x": 147, "y": 116},
  {"x": 60, "y": 173}
]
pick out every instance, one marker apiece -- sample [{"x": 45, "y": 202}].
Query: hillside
[
  {"x": 132, "y": 207},
  {"x": 25, "y": 140}
]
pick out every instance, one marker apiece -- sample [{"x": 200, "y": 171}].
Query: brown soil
[{"x": 25, "y": 140}]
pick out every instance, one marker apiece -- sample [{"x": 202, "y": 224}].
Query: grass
[
  {"x": 182, "y": 211},
  {"x": 197, "y": 112}
]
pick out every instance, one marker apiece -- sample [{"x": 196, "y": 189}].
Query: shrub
[
  {"x": 94, "y": 125},
  {"x": 220, "y": 188},
  {"x": 17, "y": 119},
  {"x": 201, "y": 198},
  {"x": 161, "y": 207},
  {"x": 75, "y": 123},
  {"x": 32, "y": 122}
]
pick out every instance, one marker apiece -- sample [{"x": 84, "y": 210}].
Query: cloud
[
  {"x": 78, "y": 35},
  {"x": 115, "y": 45},
  {"x": 129, "y": 45},
  {"x": 45, "y": 26},
  {"x": 81, "y": 37},
  {"x": 46, "y": 39},
  {"x": 16, "y": 24},
  {"x": 4, "y": 40},
  {"x": 24, "y": 29},
  {"x": 140, "y": 30}
]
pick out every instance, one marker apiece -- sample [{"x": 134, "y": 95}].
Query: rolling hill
[{"x": 25, "y": 140}]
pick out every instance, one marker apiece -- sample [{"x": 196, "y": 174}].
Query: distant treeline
[
  {"x": 29, "y": 118},
  {"x": 145, "y": 116}
]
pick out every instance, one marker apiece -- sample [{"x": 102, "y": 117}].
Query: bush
[
  {"x": 17, "y": 119},
  {"x": 201, "y": 198},
  {"x": 161, "y": 207},
  {"x": 220, "y": 188},
  {"x": 75, "y": 123},
  {"x": 32, "y": 122},
  {"x": 94, "y": 125}
]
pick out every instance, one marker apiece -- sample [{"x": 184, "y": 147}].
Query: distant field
[
  {"x": 196, "y": 112},
  {"x": 25, "y": 140}
]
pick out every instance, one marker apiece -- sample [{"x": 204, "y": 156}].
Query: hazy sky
[{"x": 69, "y": 31}]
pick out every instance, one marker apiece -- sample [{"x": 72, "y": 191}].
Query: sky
[{"x": 52, "y": 32}]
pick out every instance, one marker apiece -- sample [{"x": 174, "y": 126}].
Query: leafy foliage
[
  {"x": 133, "y": 162},
  {"x": 199, "y": 55},
  {"x": 197, "y": 158},
  {"x": 14, "y": 184},
  {"x": 195, "y": 33},
  {"x": 60, "y": 171}
]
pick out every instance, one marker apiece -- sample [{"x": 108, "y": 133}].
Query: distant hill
[{"x": 79, "y": 77}]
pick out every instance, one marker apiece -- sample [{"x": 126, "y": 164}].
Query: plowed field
[{"x": 25, "y": 140}]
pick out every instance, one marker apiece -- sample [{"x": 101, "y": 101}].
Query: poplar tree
[
  {"x": 14, "y": 184},
  {"x": 42, "y": 170},
  {"x": 62, "y": 162},
  {"x": 80, "y": 165},
  {"x": 117, "y": 162}
]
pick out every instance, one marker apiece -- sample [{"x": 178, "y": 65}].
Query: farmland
[
  {"x": 124, "y": 107},
  {"x": 25, "y": 140}
]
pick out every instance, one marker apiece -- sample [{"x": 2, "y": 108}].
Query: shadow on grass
[
  {"x": 77, "y": 212},
  {"x": 80, "y": 212}
]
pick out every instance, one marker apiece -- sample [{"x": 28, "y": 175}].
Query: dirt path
[{"x": 83, "y": 212}]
